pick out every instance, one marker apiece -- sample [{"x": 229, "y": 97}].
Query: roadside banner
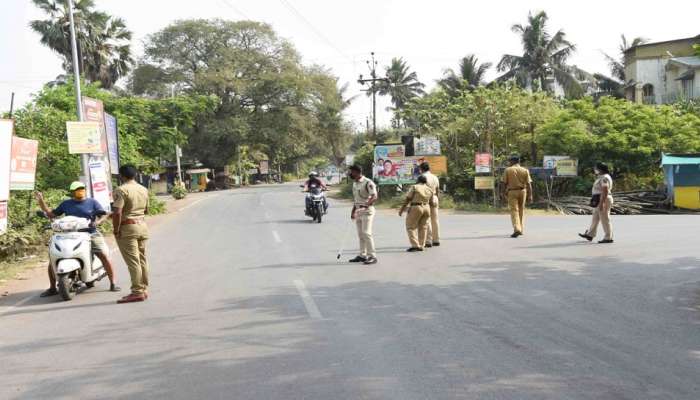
[
  {"x": 482, "y": 162},
  {"x": 100, "y": 184},
  {"x": 349, "y": 160},
  {"x": 427, "y": 146},
  {"x": 6, "y": 130},
  {"x": 550, "y": 162},
  {"x": 264, "y": 167},
  {"x": 83, "y": 137},
  {"x": 484, "y": 183},
  {"x": 94, "y": 111},
  {"x": 438, "y": 164},
  {"x": 3, "y": 217},
  {"x": 113, "y": 143},
  {"x": 23, "y": 163},
  {"x": 567, "y": 167}
]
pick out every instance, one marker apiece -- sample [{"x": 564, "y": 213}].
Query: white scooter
[{"x": 71, "y": 257}]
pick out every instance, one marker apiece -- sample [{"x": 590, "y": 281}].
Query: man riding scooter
[
  {"x": 314, "y": 180},
  {"x": 82, "y": 207}
]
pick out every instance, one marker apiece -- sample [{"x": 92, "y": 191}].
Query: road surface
[{"x": 248, "y": 302}]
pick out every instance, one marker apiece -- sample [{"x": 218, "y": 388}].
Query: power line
[
  {"x": 317, "y": 32},
  {"x": 236, "y": 9}
]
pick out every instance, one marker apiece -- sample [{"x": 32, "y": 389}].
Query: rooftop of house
[
  {"x": 690, "y": 62},
  {"x": 694, "y": 39},
  {"x": 680, "y": 159}
]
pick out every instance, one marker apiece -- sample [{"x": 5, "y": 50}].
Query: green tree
[
  {"x": 470, "y": 76},
  {"x": 400, "y": 84},
  {"x": 103, "y": 41},
  {"x": 543, "y": 60}
]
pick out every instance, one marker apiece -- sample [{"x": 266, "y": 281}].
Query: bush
[
  {"x": 178, "y": 192},
  {"x": 287, "y": 177},
  {"x": 155, "y": 206}
]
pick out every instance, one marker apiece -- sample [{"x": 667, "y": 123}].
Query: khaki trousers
[
  {"x": 434, "y": 225},
  {"x": 417, "y": 222},
  {"x": 132, "y": 245},
  {"x": 364, "y": 221},
  {"x": 602, "y": 217},
  {"x": 516, "y": 204}
]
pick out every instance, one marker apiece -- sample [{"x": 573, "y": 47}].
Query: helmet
[
  {"x": 76, "y": 185},
  {"x": 313, "y": 174}
]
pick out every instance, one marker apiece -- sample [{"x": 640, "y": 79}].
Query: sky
[{"x": 430, "y": 35}]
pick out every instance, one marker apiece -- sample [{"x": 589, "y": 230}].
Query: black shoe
[
  {"x": 429, "y": 245},
  {"x": 414, "y": 249},
  {"x": 586, "y": 236},
  {"x": 436, "y": 244},
  {"x": 606, "y": 241},
  {"x": 358, "y": 259},
  {"x": 370, "y": 260},
  {"x": 49, "y": 292},
  {"x": 516, "y": 234},
  {"x": 114, "y": 288}
]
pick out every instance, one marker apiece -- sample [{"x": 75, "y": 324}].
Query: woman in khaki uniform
[{"x": 418, "y": 201}]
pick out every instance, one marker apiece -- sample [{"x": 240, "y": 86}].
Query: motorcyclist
[
  {"x": 79, "y": 205},
  {"x": 315, "y": 180}
]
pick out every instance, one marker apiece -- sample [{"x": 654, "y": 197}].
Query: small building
[
  {"x": 682, "y": 178},
  {"x": 662, "y": 72}
]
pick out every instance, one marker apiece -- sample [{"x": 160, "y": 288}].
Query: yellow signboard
[
  {"x": 568, "y": 167},
  {"x": 84, "y": 137},
  {"x": 484, "y": 183}
]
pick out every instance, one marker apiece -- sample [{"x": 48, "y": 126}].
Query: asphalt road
[{"x": 248, "y": 302}]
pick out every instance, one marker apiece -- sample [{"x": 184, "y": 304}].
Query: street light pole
[
  {"x": 178, "y": 150},
  {"x": 84, "y": 166},
  {"x": 373, "y": 88}
]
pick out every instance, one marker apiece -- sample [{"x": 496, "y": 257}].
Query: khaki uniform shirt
[
  {"x": 132, "y": 198},
  {"x": 517, "y": 177},
  {"x": 419, "y": 194},
  {"x": 362, "y": 190},
  {"x": 433, "y": 182},
  {"x": 601, "y": 182}
]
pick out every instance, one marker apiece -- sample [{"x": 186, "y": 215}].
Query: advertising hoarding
[
  {"x": 83, "y": 137},
  {"x": 23, "y": 163}
]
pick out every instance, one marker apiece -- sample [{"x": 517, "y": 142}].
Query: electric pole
[
  {"x": 178, "y": 149},
  {"x": 84, "y": 166},
  {"x": 373, "y": 89}
]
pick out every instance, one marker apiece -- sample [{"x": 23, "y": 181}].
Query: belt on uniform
[
  {"x": 516, "y": 189},
  {"x": 132, "y": 221},
  {"x": 419, "y": 204}
]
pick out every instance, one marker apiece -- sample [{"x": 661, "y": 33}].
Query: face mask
[{"x": 79, "y": 194}]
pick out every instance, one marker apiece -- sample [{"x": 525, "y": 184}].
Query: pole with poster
[
  {"x": 6, "y": 130},
  {"x": 93, "y": 111}
]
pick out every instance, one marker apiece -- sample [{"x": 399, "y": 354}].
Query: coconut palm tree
[
  {"x": 617, "y": 66},
  {"x": 543, "y": 60},
  {"x": 401, "y": 84},
  {"x": 471, "y": 75},
  {"x": 103, "y": 41}
]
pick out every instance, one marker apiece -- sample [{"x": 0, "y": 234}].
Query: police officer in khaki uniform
[
  {"x": 364, "y": 193},
  {"x": 418, "y": 201},
  {"x": 129, "y": 210},
  {"x": 517, "y": 186},
  {"x": 433, "y": 183}
]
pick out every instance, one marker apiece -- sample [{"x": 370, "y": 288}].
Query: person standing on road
[
  {"x": 364, "y": 193},
  {"x": 418, "y": 201},
  {"x": 128, "y": 217},
  {"x": 81, "y": 206},
  {"x": 601, "y": 201},
  {"x": 517, "y": 185},
  {"x": 433, "y": 238}
]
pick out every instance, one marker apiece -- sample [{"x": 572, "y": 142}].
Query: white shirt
[{"x": 601, "y": 182}]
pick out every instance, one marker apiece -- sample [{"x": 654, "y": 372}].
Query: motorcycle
[
  {"x": 315, "y": 203},
  {"x": 71, "y": 257}
]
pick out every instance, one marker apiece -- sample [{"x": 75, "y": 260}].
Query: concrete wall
[{"x": 652, "y": 71}]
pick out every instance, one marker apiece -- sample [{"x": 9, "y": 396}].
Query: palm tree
[
  {"x": 617, "y": 66},
  {"x": 103, "y": 41},
  {"x": 400, "y": 84},
  {"x": 471, "y": 75},
  {"x": 544, "y": 57}
]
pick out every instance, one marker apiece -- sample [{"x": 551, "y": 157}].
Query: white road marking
[
  {"x": 309, "y": 302},
  {"x": 190, "y": 205},
  {"x": 277, "y": 237}
]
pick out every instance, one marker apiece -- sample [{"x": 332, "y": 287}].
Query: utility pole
[
  {"x": 12, "y": 104},
  {"x": 373, "y": 89},
  {"x": 84, "y": 160},
  {"x": 178, "y": 149},
  {"x": 240, "y": 171}
]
